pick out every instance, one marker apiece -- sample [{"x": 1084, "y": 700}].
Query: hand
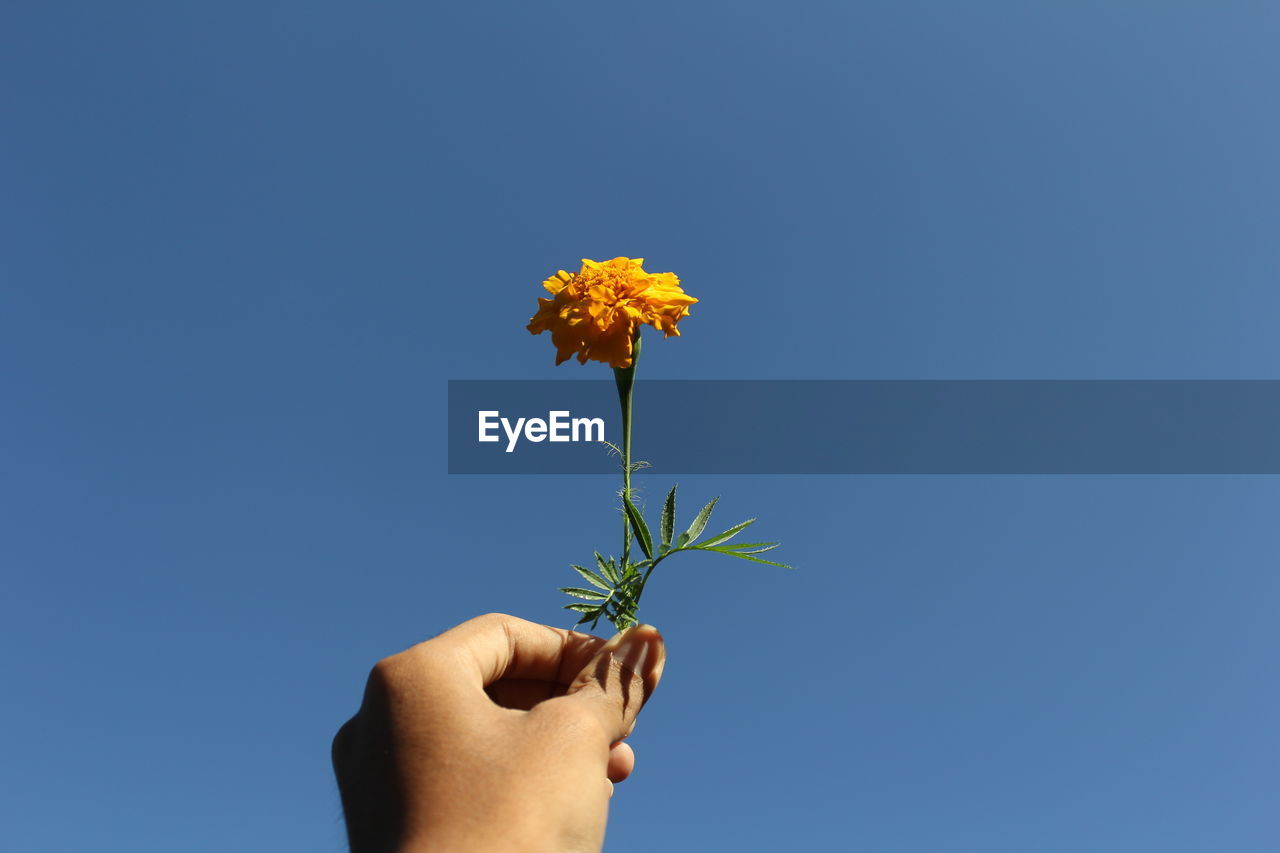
[{"x": 499, "y": 734}]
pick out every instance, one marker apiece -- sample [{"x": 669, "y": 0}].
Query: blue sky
[{"x": 247, "y": 244}]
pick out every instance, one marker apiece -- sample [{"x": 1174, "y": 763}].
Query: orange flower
[{"x": 595, "y": 311}]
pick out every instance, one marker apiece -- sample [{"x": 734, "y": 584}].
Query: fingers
[
  {"x": 619, "y": 679},
  {"x": 622, "y": 761},
  {"x": 497, "y": 646}
]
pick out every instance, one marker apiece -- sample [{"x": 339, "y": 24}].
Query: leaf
[
  {"x": 741, "y": 556},
  {"x": 699, "y": 523},
  {"x": 586, "y": 617},
  {"x": 607, "y": 568},
  {"x": 643, "y": 537},
  {"x": 667, "y": 526},
  {"x": 752, "y": 547},
  {"x": 623, "y": 616},
  {"x": 579, "y": 592},
  {"x": 728, "y": 534},
  {"x": 592, "y": 578},
  {"x": 582, "y": 608}
]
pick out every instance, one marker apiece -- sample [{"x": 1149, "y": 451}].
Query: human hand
[{"x": 499, "y": 734}]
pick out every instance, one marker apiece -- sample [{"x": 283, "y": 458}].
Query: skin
[{"x": 497, "y": 735}]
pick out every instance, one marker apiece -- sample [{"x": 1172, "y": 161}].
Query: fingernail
[{"x": 642, "y": 651}]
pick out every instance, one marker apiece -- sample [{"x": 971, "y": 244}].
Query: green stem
[{"x": 625, "y": 379}]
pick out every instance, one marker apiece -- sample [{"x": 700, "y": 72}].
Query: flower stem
[{"x": 625, "y": 379}]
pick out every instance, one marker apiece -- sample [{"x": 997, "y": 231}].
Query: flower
[{"x": 596, "y": 311}]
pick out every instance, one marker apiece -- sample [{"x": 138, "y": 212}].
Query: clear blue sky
[{"x": 246, "y": 244}]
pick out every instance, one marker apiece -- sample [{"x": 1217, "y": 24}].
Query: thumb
[{"x": 617, "y": 682}]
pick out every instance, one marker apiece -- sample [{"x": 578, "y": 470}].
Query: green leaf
[
  {"x": 623, "y": 617},
  {"x": 592, "y": 578},
  {"x": 587, "y": 617},
  {"x": 582, "y": 608},
  {"x": 728, "y": 534},
  {"x": 607, "y": 568},
  {"x": 579, "y": 592},
  {"x": 667, "y": 527},
  {"x": 741, "y": 556},
  {"x": 643, "y": 537},
  {"x": 752, "y": 547},
  {"x": 699, "y": 524}
]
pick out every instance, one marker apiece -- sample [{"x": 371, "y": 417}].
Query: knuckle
[
  {"x": 425, "y": 661},
  {"x": 385, "y": 673},
  {"x": 408, "y": 673},
  {"x": 494, "y": 620},
  {"x": 389, "y": 678}
]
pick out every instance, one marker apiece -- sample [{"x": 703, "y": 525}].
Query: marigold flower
[{"x": 594, "y": 312}]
